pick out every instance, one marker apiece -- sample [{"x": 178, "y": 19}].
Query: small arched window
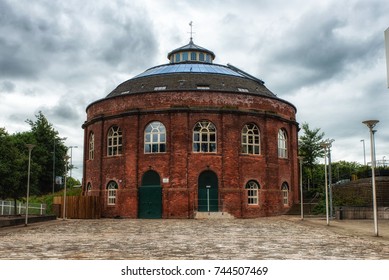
[
  {"x": 155, "y": 138},
  {"x": 204, "y": 137},
  {"x": 282, "y": 144},
  {"x": 114, "y": 145},
  {"x": 285, "y": 194},
  {"x": 252, "y": 188},
  {"x": 112, "y": 193},
  {"x": 251, "y": 140},
  {"x": 91, "y": 146},
  {"x": 88, "y": 189}
]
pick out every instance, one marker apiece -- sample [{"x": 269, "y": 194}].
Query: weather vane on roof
[{"x": 191, "y": 31}]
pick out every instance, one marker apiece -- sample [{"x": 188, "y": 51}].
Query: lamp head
[{"x": 370, "y": 123}]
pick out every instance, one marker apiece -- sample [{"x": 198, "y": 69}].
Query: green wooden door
[
  {"x": 208, "y": 198},
  {"x": 150, "y": 202},
  {"x": 150, "y": 197}
]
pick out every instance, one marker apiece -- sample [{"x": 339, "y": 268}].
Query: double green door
[
  {"x": 150, "y": 197},
  {"x": 208, "y": 197}
]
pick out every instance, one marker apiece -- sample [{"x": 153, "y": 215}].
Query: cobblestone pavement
[{"x": 266, "y": 238}]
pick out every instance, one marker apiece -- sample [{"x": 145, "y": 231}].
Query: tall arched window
[
  {"x": 155, "y": 138},
  {"x": 252, "y": 188},
  {"x": 204, "y": 137},
  {"x": 282, "y": 144},
  {"x": 111, "y": 193},
  {"x": 114, "y": 146},
  {"x": 91, "y": 146},
  {"x": 285, "y": 194},
  {"x": 251, "y": 140}
]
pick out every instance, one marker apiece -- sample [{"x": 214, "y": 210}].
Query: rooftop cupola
[{"x": 191, "y": 52}]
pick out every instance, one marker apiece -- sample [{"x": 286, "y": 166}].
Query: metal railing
[{"x": 7, "y": 207}]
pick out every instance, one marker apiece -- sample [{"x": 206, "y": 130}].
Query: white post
[
  {"x": 387, "y": 54},
  {"x": 301, "y": 187},
  {"x": 2, "y": 207},
  {"x": 30, "y": 147},
  {"x": 371, "y": 124},
  {"x": 64, "y": 194},
  {"x": 326, "y": 185}
]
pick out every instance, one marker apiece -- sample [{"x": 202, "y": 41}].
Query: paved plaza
[{"x": 273, "y": 238}]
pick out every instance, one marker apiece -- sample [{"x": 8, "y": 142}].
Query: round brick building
[{"x": 191, "y": 136}]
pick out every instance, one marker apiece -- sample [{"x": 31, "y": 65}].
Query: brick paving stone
[{"x": 273, "y": 238}]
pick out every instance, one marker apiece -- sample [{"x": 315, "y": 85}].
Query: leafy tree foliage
[
  {"x": 46, "y": 138},
  {"x": 311, "y": 150},
  {"x": 14, "y": 159}
]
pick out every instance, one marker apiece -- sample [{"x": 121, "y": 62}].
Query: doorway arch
[
  {"x": 150, "y": 196},
  {"x": 208, "y": 194}
]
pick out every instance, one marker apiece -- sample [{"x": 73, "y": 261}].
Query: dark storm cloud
[
  {"x": 7, "y": 86},
  {"x": 57, "y": 39},
  {"x": 316, "y": 47}
]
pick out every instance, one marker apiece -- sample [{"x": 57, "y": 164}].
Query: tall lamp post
[
  {"x": 30, "y": 147},
  {"x": 64, "y": 193},
  {"x": 71, "y": 158},
  {"x": 326, "y": 145},
  {"x": 371, "y": 124},
  {"x": 55, "y": 140},
  {"x": 301, "y": 158},
  {"x": 364, "y": 152}
]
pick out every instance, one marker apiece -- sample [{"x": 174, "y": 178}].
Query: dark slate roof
[{"x": 193, "y": 76}]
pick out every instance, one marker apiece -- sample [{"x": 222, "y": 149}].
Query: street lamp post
[
  {"x": 55, "y": 140},
  {"x": 301, "y": 158},
  {"x": 371, "y": 124},
  {"x": 30, "y": 147},
  {"x": 364, "y": 152},
  {"x": 64, "y": 193},
  {"x": 71, "y": 158},
  {"x": 326, "y": 145}
]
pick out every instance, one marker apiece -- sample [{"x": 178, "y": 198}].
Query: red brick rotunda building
[{"x": 191, "y": 136}]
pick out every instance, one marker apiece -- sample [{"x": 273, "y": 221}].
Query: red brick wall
[{"x": 179, "y": 112}]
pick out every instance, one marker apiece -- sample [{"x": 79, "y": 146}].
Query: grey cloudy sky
[{"x": 326, "y": 57}]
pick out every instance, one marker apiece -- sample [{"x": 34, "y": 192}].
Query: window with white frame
[
  {"x": 252, "y": 188},
  {"x": 112, "y": 192},
  {"x": 114, "y": 145},
  {"x": 282, "y": 144},
  {"x": 250, "y": 140},
  {"x": 91, "y": 146},
  {"x": 88, "y": 189},
  {"x": 285, "y": 194},
  {"x": 155, "y": 138},
  {"x": 204, "y": 137}
]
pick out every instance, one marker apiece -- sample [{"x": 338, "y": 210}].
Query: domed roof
[{"x": 191, "y": 68}]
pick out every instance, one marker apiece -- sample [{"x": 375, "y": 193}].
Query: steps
[{"x": 213, "y": 215}]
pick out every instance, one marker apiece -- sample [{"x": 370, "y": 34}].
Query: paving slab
[{"x": 273, "y": 238}]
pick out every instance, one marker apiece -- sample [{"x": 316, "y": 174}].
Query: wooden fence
[{"x": 78, "y": 207}]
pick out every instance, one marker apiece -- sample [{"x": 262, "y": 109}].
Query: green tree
[
  {"x": 311, "y": 150},
  {"x": 14, "y": 166},
  {"x": 47, "y": 140}
]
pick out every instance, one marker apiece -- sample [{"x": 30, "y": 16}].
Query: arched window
[
  {"x": 112, "y": 192},
  {"x": 285, "y": 194},
  {"x": 114, "y": 146},
  {"x": 155, "y": 138},
  {"x": 204, "y": 137},
  {"x": 252, "y": 188},
  {"x": 88, "y": 189},
  {"x": 282, "y": 144},
  {"x": 251, "y": 140},
  {"x": 91, "y": 146}
]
